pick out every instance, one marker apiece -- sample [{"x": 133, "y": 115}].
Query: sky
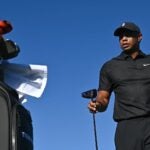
[{"x": 73, "y": 38}]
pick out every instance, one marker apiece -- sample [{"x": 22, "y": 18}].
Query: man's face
[{"x": 129, "y": 41}]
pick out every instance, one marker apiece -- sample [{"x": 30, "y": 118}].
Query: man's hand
[
  {"x": 94, "y": 106},
  {"x": 101, "y": 102}
]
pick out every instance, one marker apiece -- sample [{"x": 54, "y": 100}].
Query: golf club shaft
[{"x": 95, "y": 132}]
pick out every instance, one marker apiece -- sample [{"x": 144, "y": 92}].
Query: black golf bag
[{"x": 16, "y": 131}]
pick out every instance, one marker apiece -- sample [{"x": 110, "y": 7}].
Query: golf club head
[{"x": 90, "y": 94}]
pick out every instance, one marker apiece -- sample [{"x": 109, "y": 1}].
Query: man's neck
[{"x": 134, "y": 54}]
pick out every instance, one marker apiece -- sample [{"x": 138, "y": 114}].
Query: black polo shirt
[{"x": 130, "y": 80}]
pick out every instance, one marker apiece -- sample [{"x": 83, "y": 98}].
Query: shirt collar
[{"x": 124, "y": 55}]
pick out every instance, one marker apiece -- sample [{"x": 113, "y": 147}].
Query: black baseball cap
[{"x": 127, "y": 26}]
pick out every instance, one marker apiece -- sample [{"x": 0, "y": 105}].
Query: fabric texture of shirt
[{"x": 129, "y": 79}]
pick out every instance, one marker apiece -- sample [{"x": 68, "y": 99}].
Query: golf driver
[{"x": 91, "y": 94}]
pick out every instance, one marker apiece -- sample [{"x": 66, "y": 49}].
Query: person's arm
[{"x": 101, "y": 102}]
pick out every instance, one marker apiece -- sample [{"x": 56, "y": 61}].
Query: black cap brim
[{"x": 120, "y": 30}]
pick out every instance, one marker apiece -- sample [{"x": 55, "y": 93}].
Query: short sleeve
[{"x": 104, "y": 79}]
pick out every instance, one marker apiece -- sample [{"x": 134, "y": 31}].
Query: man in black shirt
[{"x": 128, "y": 76}]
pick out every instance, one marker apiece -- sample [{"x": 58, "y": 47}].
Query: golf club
[{"x": 91, "y": 94}]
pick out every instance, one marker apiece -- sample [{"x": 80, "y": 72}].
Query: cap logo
[{"x": 123, "y": 25}]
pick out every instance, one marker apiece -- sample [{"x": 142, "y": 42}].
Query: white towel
[{"x": 28, "y": 80}]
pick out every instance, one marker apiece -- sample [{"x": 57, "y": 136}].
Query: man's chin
[{"x": 129, "y": 51}]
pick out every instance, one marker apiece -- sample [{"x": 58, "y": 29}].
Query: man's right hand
[
  {"x": 101, "y": 102},
  {"x": 93, "y": 106}
]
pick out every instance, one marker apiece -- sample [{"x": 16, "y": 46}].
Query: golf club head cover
[
  {"x": 8, "y": 49},
  {"x": 5, "y": 27}
]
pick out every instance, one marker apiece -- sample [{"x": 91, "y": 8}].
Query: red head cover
[{"x": 5, "y": 27}]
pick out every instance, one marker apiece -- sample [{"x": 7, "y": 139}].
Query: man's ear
[{"x": 140, "y": 37}]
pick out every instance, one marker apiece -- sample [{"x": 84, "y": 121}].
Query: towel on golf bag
[{"x": 28, "y": 80}]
